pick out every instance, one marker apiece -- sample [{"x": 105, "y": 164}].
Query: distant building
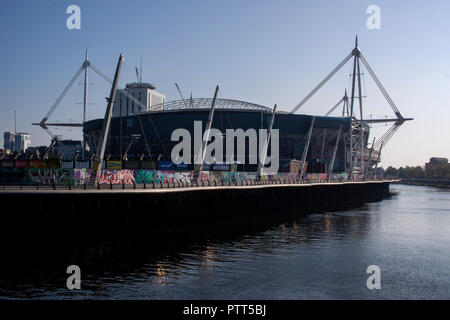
[
  {"x": 434, "y": 161},
  {"x": 9, "y": 141},
  {"x": 67, "y": 148},
  {"x": 145, "y": 93},
  {"x": 22, "y": 142},
  {"x": 40, "y": 150}
]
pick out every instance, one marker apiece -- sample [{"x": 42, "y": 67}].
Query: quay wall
[{"x": 61, "y": 213}]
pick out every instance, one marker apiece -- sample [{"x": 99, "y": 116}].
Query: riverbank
[
  {"x": 425, "y": 183},
  {"x": 48, "y": 212}
]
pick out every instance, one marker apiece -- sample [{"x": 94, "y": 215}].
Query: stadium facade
[{"x": 147, "y": 132}]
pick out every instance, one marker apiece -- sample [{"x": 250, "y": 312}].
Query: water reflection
[
  {"x": 169, "y": 254},
  {"x": 161, "y": 275},
  {"x": 284, "y": 255}
]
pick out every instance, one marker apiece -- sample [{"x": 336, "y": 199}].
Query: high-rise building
[
  {"x": 9, "y": 143},
  {"x": 145, "y": 93},
  {"x": 22, "y": 142}
]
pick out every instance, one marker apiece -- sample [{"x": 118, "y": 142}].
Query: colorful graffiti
[
  {"x": 165, "y": 176},
  {"x": 82, "y": 176},
  {"x": 148, "y": 176},
  {"x": 116, "y": 177},
  {"x": 169, "y": 176},
  {"x": 316, "y": 176},
  {"x": 204, "y": 176}
]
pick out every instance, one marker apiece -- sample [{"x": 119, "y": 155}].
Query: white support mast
[
  {"x": 263, "y": 155},
  {"x": 330, "y": 171},
  {"x": 368, "y": 159},
  {"x": 305, "y": 149},
  {"x": 107, "y": 120},
  {"x": 356, "y": 142},
  {"x": 201, "y": 157},
  {"x": 378, "y": 160},
  {"x": 85, "y": 99}
]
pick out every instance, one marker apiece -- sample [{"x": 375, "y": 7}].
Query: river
[{"x": 316, "y": 256}]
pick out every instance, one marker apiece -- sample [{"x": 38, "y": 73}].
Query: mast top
[{"x": 356, "y": 51}]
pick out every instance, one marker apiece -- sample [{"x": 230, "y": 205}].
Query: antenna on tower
[
  {"x": 140, "y": 73},
  {"x": 181, "y": 95},
  {"x": 137, "y": 74},
  {"x": 15, "y": 131}
]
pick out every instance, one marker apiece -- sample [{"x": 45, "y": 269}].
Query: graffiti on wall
[
  {"x": 129, "y": 176},
  {"x": 116, "y": 177},
  {"x": 204, "y": 176},
  {"x": 49, "y": 176},
  {"x": 339, "y": 176},
  {"x": 316, "y": 176},
  {"x": 230, "y": 176},
  {"x": 148, "y": 176},
  {"x": 164, "y": 176},
  {"x": 169, "y": 176},
  {"x": 183, "y": 176},
  {"x": 81, "y": 176}
]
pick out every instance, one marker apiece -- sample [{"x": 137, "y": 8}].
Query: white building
[
  {"x": 22, "y": 142},
  {"x": 143, "y": 92}
]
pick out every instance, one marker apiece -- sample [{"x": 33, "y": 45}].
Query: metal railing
[{"x": 175, "y": 183}]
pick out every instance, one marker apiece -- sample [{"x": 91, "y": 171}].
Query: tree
[{"x": 391, "y": 172}]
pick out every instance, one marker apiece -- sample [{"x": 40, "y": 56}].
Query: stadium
[
  {"x": 142, "y": 123},
  {"x": 148, "y": 134}
]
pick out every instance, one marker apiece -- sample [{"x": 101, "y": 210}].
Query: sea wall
[{"x": 66, "y": 212}]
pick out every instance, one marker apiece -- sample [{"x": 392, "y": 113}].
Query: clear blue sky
[{"x": 261, "y": 51}]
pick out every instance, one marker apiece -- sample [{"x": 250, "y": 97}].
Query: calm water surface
[{"x": 316, "y": 256}]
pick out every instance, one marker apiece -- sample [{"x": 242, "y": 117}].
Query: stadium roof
[{"x": 205, "y": 103}]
